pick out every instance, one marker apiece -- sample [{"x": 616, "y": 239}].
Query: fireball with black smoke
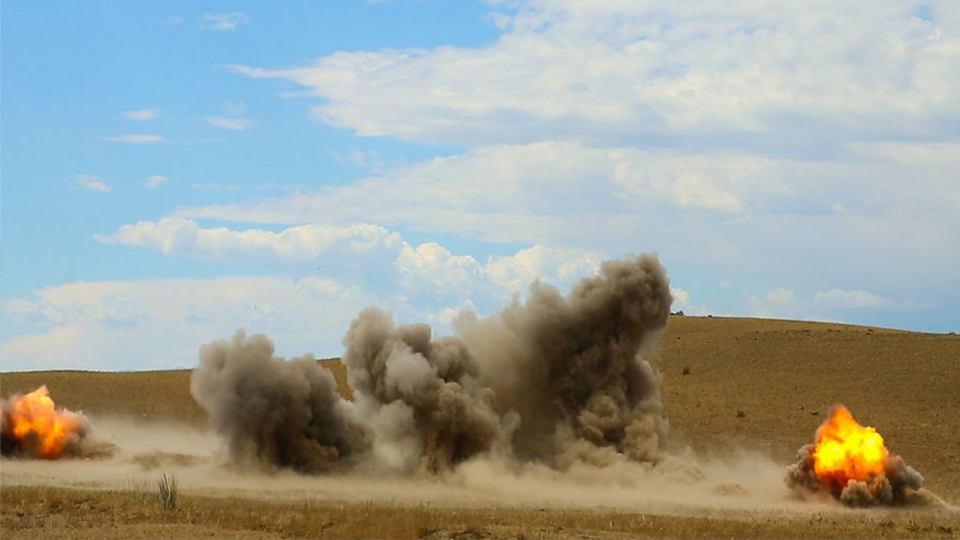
[
  {"x": 32, "y": 426},
  {"x": 851, "y": 462}
]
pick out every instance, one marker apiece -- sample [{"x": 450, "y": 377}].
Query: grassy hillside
[{"x": 757, "y": 383}]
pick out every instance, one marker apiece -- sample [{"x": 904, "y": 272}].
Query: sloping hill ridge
[{"x": 751, "y": 383}]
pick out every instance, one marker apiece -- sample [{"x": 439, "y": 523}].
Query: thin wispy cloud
[
  {"x": 224, "y": 21},
  {"x": 136, "y": 139},
  {"x": 92, "y": 183},
  {"x": 825, "y": 305},
  {"x": 141, "y": 114},
  {"x": 235, "y": 107},
  {"x": 213, "y": 186},
  {"x": 154, "y": 181},
  {"x": 174, "y": 19},
  {"x": 365, "y": 159},
  {"x": 236, "y": 124}
]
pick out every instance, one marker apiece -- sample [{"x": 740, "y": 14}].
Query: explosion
[
  {"x": 851, "y": 462},
  {"x": 32, "y": 426},
  {"x": 567, "y": 369},
  {"x": 846, "y": 451}
]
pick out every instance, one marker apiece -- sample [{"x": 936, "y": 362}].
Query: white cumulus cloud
[
  {"x": 123, "y": 325},
  {"x": 177, "y": 236},
  {"x": 161, "y": 322},
  {"x": 368, "y": 256},
  {"x": 556, "y": 265},
  {"x": 779, "y": 77}
]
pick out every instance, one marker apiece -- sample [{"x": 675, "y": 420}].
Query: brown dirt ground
[
  {"x": 752, "y": 383},
  {"x": 33, "y": 512}
]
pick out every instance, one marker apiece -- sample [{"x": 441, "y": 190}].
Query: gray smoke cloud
[
  {"x": 571, "y": 366},
  {"x": 272, "y": 411},
  {"x": 555, "y": 380},
  {"x": 890, "y": 487},
  {"x": 421, "y": 395}
]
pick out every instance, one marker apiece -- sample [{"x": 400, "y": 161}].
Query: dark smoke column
[
  {"x": 571, "y": 367},
  {"x": 275, "y": 412}
]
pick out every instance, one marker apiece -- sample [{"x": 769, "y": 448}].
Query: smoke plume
[
  {"x": 275, "y": 412},
  {"x": 555, "y": 380},
  {"x": 570, "y": 367}
]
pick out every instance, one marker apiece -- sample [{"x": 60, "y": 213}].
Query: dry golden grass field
[{"x": 760, "y": 385}]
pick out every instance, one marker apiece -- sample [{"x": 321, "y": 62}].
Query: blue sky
[{"x": 172, "y": 171}]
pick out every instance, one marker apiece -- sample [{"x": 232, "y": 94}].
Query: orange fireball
[
  {"x": 32, "y": 424},
  {"x": 846, "y": 451}
]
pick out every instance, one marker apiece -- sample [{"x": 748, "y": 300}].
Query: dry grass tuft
[{"x": 168, "y": 490}]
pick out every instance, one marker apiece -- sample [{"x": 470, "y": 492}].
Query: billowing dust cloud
[
  {"x": 421, "y": 393},
  {"x": 275, "y": 412},
  {"x": 571, "y": 367},
  {"x": 32, "y": 426},
  {"x": 554, "y": 380},
  {"x": 851, "y": 463}
]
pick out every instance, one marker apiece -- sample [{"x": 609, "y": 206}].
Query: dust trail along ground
[
  {"x": 723, "y": 355},
  {"x": 195, "y": 457}
]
